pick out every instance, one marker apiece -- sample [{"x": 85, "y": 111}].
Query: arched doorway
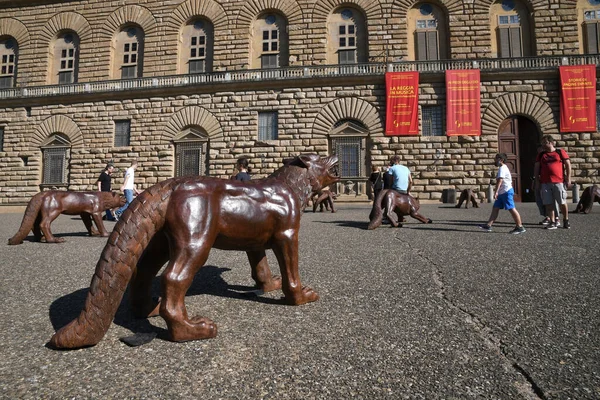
[{"x": 518, "y": 137}]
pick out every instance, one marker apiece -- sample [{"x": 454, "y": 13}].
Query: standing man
[
  {"x": 552, "y": 174},
  {"x": 243, "y": 169},
  {"x": 104, "y": 185},
  {"x": 401, "y": 178},
  {"x": 504, "y": 197},
  {"x": 128, "y": 187}
]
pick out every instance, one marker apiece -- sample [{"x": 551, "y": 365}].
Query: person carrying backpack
[{"x": 552, "y": 175}]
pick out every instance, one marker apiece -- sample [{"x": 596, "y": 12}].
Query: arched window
[
  {"x": 128, "y": 53},
  {"x": 55, "y": 155},
  {"x": 347, "y": 37},
  {"x": 191, "y": 152},
  {"x": 512, "y": 29},
  {"x": 428, "y": 26},
  {"x": 589, "y": 19},
  {"x": 9, "y": 51},
  {"x": 65, "y": 58},
  {"x": 197, "y": 38},
  {"x": 269, "y": 40}
]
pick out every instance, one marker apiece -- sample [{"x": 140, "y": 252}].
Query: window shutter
[
  {"x": 504, "y": 45},
  {"x": 128, "y": 72},
  {"x": 6, "y": 82},
  {"x": 432, "y": 45},
  {"x": 592, "y": 35},
  {"x": 65, "y": 77},
  {"x": 421, "y": 46},
  {"x": 516, "y": 45},
  {"x": 196, "y": 66}
]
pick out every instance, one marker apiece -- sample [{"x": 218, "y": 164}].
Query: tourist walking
[
  {"x": 504, "y": 197},
  {"x": 128, "y": 188},
  {"x": 104, "y": 185}
]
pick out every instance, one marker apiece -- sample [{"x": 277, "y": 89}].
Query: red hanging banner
[
  {"x": 463, "y": 110},
  {"x": 402, "y": 103},
  {"x": 578, "y": 98}
]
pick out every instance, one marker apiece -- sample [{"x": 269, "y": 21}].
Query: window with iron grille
[
  {"x": 591, "y": 27},
  {"x": 122, "y": 133},
  {"x": 267, "y": 125},
  {"x": 1, "y": 138},
  {"x": 432, "y": 121},
  {"x": 190, "y": 158},
  {"x": 349, "y": 153},
  {"x": 509, "y": 36},
  {"x": 55, "y": 165}
]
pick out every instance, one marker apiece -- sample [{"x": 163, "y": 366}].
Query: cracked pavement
[{"x": 441, "y": 310}]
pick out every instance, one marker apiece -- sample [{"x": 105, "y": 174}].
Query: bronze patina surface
[
  {"x": 45, "y": 207},
  {"x": 179, "y": 221}
]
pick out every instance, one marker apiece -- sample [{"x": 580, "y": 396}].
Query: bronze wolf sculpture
[
  {"x": 394, "y": 202},
  {"x": 588, "y": 197},
  {"x": 323, "y": 198},
  {"x": 179, "y": 220},
  {"x": 468, "y": 196},
  {"x": 45, "y": 207}
]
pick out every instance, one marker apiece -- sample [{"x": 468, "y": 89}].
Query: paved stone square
[{"x": 420, "y": 312}]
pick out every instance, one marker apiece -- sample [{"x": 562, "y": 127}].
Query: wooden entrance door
[{"x": 518, "y": 138}]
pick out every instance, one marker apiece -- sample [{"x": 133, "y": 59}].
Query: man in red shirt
[{"x": 553, "y": 172}]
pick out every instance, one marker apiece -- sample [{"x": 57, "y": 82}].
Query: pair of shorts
[
  {"x": 505, "y": 201},
  {"x": 552, "y": 192}
]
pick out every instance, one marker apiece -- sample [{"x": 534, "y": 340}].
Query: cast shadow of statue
[{"x": 208, "y": 280}]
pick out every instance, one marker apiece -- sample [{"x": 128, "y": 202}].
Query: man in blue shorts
[{"x": 504, "y": 195}]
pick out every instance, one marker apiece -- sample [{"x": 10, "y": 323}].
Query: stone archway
[{"x": 519, "y": 120}]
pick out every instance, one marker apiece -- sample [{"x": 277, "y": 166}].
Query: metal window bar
[
  {"x": 1, "y": 138},
  {"x": 55, "y": 161},
  {"x": 432, "y": 121},
  {"x": 189, "y": 158},
  {"x": 122, "y": 133},
  {"x": 349, "y": 153},
  {"x": 267, "y": 126}
]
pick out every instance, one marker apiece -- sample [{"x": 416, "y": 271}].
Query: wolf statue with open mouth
[{"x": 178, "y": 221}]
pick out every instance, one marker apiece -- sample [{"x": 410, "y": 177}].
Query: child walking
[{"x": 503, "y": 196}]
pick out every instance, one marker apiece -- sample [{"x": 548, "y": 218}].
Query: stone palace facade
[{"x": 188, "y": 86}]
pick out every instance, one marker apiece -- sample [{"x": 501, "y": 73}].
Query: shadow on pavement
[{"x": 208, "y": 280}]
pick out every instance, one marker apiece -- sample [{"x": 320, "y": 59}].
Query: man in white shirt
[
  {"x": 128, "y": 188},
  {"x": 504, "y": 196}
]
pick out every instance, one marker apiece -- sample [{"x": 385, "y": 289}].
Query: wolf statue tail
[
  {"x": 143, "y": 218},
  {"x": 376, "y": 216},
  {"x": 31, "y": 213}
]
